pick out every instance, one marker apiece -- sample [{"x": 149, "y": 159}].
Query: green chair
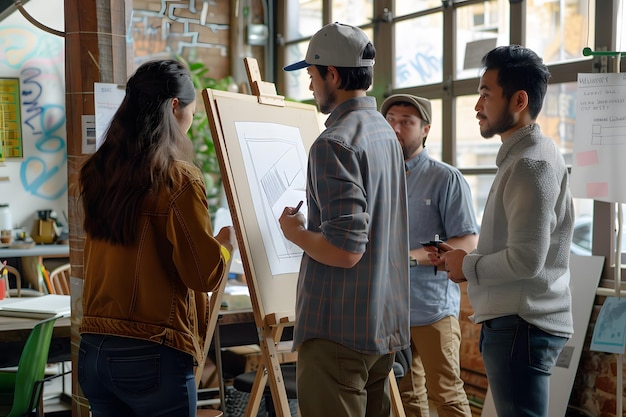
[{"x": 20, "y": 391}]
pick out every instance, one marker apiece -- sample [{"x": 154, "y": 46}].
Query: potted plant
[{"x": 200, "y": 132}]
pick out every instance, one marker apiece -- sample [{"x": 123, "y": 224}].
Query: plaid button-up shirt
[{"x": 356, "y": 194}]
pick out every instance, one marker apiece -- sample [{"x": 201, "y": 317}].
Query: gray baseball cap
[
  {"x": 420, "y": 103},
  {"x": 338, "y": 45}
]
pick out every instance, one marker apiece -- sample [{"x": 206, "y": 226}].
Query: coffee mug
[{"x": 5, "y": 236}]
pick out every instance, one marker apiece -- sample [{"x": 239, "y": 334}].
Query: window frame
[{"x": 605, "y": 23}]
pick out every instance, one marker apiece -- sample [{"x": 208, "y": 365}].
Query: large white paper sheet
[
  {"x": 275, "y": 161},
  {"x": 598, "y": 166}
]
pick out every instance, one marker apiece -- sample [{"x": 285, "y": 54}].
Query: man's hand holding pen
[{"x": 291, "y": 220}]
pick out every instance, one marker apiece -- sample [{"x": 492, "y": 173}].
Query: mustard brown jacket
[{"x": 157, "y": 289}]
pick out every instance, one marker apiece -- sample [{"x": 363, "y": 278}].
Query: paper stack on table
[{"x": 37, "y": 307}]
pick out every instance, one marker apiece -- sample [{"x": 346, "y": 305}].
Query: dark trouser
[{"x": 336, "y": 381}]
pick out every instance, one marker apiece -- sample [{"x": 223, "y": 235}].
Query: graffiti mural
[
  {"x": 37, "y": 180},
  {"x": 194, "y": 29},
  {"x": 45, "y": 121}
]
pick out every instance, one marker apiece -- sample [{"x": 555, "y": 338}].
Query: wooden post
[{"x": 95, "y": 51}]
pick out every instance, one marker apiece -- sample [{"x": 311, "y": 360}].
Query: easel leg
[
  {"x": 256, "y": 393},
  {"x": 396, "y": 400}
]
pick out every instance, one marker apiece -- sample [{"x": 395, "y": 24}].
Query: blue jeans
[
  {"x": 122, "y": 376},
  {"x": 518, "y": 359}
]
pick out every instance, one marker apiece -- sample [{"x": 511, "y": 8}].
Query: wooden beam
[{"x": 95, "y": 51}]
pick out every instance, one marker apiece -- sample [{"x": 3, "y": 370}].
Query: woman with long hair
[{"x": 150, "y": 255}]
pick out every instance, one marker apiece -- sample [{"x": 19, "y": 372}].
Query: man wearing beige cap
[
  {"x": 440, "y": 204},
  {"x": 352, "y": 303}
]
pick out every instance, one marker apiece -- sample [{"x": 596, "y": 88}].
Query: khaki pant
[
  {"x": 334, "y": 381},
  {"x": 435, "y": 372}
]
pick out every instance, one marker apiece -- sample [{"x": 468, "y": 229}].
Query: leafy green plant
[{"x": 200, "y": 131}]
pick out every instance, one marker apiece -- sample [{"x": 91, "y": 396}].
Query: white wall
[{"x": 39, "y": 179}]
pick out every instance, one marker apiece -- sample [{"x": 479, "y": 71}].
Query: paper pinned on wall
[
  {"x": 107, "y": 99},
  {"x": 88, "y": 129},
  {"x": 600, "y": 137}
]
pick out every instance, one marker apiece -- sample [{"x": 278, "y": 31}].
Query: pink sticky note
[
  {"x": 587, "y": 158},
  {"x": 597, "y": 189}
]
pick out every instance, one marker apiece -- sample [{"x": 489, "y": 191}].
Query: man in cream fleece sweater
[{"x": 518, "y": 277}]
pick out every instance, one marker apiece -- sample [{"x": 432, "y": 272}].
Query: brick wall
[
  {"x": 472, "y": 368},
  {"x": 594, "y": 393}
]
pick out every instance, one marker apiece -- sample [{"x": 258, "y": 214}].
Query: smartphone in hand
[{"x": 434, "y": 243}]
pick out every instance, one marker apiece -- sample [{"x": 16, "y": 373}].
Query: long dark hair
[{"x": 142, "y": 141}]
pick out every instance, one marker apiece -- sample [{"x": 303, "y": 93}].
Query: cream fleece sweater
[{"x": 521, "y": 264}]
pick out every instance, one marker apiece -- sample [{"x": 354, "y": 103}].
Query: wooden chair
[
  {"x": 60, "y": 279},
  {"x": 18, "y": 291},
  {"x": 60, "y": 282},
  {"x": 18, "y": 281}
]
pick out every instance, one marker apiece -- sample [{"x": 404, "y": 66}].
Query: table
[
  {"x": 15, "y": 330},
  {"x": 31, "y": 258}
]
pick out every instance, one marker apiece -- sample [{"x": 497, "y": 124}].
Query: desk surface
[
  {"x": 17, "y": 329},
  {"x": 37, "y": 250}
]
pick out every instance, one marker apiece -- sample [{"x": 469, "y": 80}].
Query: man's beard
[
  {"x": 330, "y": 100},
  {"x": 505, "y": 122}
]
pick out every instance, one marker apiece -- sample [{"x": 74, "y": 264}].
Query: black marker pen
[{"x": 297, "y": 209}]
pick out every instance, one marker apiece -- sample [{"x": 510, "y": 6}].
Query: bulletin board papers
[
  {"x": 600, "y": 138},
  {"x": 609, "y": 333}
]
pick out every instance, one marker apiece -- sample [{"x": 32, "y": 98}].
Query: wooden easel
[
  {"x": 269, "y": 327},
  {"x": 215, "y": 301},
  {"x": 225, "y": 111}
]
